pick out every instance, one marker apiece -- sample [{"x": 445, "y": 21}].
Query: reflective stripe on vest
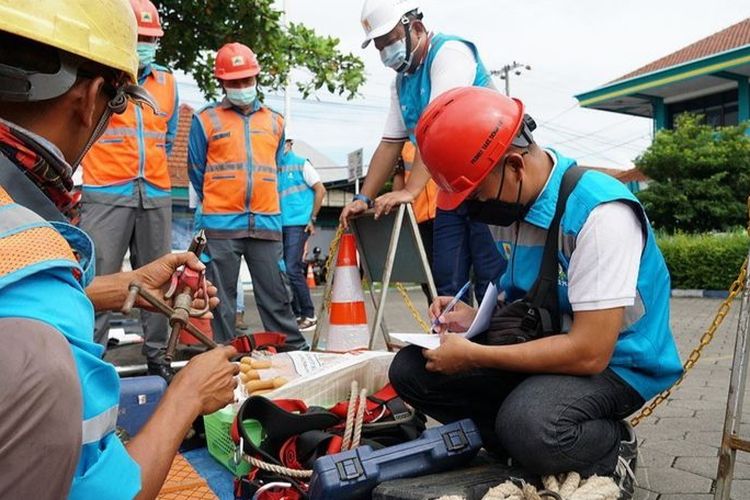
[
  {"x": 425, "y": 203},
  {"x": 134, "y": 144},
  {"x": 241, "y": 171},
  {"x": 297, "y": 198},
  {"x": 95, "y": 428}
]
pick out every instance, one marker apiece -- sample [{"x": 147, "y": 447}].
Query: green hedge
[{"x": 704, "y": 261}]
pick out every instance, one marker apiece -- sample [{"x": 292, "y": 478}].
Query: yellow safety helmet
[{"x": 103, "y": 31}]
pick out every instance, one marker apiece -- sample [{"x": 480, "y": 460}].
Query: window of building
[{"x": 719, "y": 109}]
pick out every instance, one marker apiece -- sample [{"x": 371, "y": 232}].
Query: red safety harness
[
  {"x": 296, "y": 435},
  {"x": 273, "y": 342}
]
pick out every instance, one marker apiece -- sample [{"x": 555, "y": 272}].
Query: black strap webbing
[{"x": 543, "y": 294}]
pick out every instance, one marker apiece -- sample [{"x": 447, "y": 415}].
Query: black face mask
[{"x": 497, "y": 212}]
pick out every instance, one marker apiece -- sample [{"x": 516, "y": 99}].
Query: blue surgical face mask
[
  {"x": 394, "y": 56},
  {"x": 242, "y": 97},
  {"x": 146, "y": 53}
]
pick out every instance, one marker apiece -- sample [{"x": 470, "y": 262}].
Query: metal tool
[{"x": 185, "y": 284}]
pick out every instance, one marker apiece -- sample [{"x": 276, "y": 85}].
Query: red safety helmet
[
  {"x": 147, "y": 16},
  {"x": 463, "y": 134},
  {"x": 235, "y": 61}
]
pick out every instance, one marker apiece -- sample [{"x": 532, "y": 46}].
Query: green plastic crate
[{"x": 219, "y": 439}]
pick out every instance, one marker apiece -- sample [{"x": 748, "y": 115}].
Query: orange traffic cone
[
  {"x": 348, "y": 326},
  {"x": 310, "y": 277}
]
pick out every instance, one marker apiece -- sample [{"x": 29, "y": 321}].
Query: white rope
[
  {"x": 566, "y": 486},
  {"x": 278, "y": 469},
  {"x": 358, "y": 420},
  {"x": 346, "y": 441}
]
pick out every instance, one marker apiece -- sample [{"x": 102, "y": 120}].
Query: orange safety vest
[
  {"x": 241, "y": 172},
  {"x": 424, "y": 204},
  {"x": 134, "y": 144},
  {"x": 31, "y": 242}
]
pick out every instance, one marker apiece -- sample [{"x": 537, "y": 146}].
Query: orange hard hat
[
  {"x": 147, "y": 17},
  {"x": 235, "y": 61},
  {"x": 463, "y": 134}
]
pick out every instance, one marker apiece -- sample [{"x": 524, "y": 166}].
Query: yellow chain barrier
[
  {"x": 705, "y": 340},
  {"x": 412, "y": 309},
  {"x": 332, "y": 249}
]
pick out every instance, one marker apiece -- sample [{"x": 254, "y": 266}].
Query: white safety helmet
[{"x": 381, "y": 16}]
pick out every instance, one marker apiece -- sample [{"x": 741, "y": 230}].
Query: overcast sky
[{"x": 572, "y": 46}]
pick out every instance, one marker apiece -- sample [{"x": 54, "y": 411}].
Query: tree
[
  {"x": 701, "y": 176},
  {"x": 195, "y": 29}
]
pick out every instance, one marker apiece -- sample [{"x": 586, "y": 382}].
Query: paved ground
[{"x": 679, "y": 443}]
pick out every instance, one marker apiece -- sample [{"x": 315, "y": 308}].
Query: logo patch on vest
[
  {"x": 238, "y": 60},
  {"x": 507, "y": 250},
  {"x": 562, "y": 277}
]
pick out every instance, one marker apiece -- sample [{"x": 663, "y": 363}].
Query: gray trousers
[
  {"x": 270, "y": 286},
  {"x": 148, "y": 235}
]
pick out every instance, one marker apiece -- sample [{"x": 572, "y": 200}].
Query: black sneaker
[
  {"x": 162, "y": 370},
  {"x": 627, "y": 459}
]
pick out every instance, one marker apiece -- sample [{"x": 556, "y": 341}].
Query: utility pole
[{"x": 504, "y": 73}]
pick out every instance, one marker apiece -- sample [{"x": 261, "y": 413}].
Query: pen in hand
[{"x": 450, "y": 306}]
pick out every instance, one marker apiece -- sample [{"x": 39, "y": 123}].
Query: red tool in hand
[{"x": 184, "y": 287}]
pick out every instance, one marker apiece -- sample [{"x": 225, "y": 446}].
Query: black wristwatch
[{"x": 361, "y": 197}]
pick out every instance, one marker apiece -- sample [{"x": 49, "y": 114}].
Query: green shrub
[{"x": 704, "y": 261}]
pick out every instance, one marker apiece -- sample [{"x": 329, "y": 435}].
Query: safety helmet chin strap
[
  {"x": 406, "y": 23},
  {"x": 117, "y": 105}
]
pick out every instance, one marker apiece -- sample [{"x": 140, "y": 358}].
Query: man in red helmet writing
[
  {"x": 552, "y": 398},
  {"x": 234, "y": 150}
]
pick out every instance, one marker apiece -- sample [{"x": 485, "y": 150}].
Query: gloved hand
[{"x": 507, "y": 325}]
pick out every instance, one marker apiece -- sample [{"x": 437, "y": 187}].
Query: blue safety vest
[
  {"x": 45, "y": 286},
  {"x": 296, "y": 196},
  {"x": 414, "y": 89},
  {"x": 645, "y": 354}
]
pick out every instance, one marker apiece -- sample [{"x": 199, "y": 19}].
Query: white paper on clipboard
[{"x": 480, "y": 324}]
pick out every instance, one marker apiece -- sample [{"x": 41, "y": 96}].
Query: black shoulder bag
[{"x": 538, "y": 313}]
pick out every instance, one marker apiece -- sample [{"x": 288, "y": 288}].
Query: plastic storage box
[
  {"x": 139, "y": 397},
  {"x": 353, "y": 474}
]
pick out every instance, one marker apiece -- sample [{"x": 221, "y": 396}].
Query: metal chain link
[
  {"x": 734, "y": 290},
  {"x": 412, "y": 309}
]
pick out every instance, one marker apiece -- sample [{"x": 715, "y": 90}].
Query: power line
[
  {"x": 574, "y": 106},
  {"x": 575, "y": 136},
  {"x": 640, "y": 137}
]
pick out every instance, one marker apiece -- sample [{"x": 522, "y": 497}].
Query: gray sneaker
[
  {"x": 307, "y": 324},
  {"x": 627, "y": 459}
]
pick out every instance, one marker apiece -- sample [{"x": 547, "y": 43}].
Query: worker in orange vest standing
[
  {"x": 424, "y": 204},
  {"x": 127, "y": 201},
  {"x": 234, "y": 152}
]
